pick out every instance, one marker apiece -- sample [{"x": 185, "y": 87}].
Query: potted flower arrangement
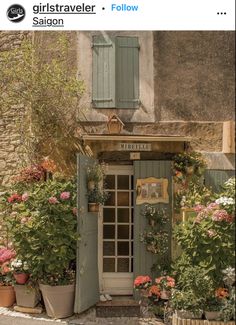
[
  {"x": 20, "y": 271},
  {"x": 188, "y": 164},
  {"x": 43, "y": 228},
  {"x": 7, "y": 294},
  {"x": 27, "y": 292},
  {"x": 186, "y": 304},
  {"x": 143, "y": 283},
  {"x": 212, "y": 308},
  {"x": 156, "y": 241},
  {"x": 155, "y": 216},
  {"x": 166, "y": 283},
  {"x": 95, "y": 174},
  {"x": 96, "y": 197}
]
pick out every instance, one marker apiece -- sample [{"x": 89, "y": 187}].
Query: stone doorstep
[{"x": 118, "y": 307}]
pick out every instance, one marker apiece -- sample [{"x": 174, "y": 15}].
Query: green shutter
[
  {"x": 127, "y": 72},
  {"x": 103, "y": 88},
  {"x": 87, "y": 282},
  {"x": 216, "y": 178},
  {"x": 143, "y": 260}
]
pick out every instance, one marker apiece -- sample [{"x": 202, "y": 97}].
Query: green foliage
[
  {"x": 97, "y": 196},
  {"x": 208, "y": 241},
  {"x": 188, "y": 165},
  {"x": 154, "y": 215},
  {"x": 43, "y": 89},
  {"x": 186, "y": 300},
  {"x": 42, "y": 227},
  {"x": 227, "y": 311},
  {"x": 192, "y": 195},
  {"x": 96, "y": 172},
  {"x": 209, "y": 244}
]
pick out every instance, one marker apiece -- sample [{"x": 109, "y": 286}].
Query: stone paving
[{"x": 10, "y": 317}]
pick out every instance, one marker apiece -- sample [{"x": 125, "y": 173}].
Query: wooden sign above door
[{"x": 134, "y": 146}]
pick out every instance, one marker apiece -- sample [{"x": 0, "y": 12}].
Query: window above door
[{"x": 115, "y": 80}]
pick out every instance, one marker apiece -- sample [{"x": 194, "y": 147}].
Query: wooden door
[
  {"x": 87, "y": 283},
  {"x": 144, "y": 260}
]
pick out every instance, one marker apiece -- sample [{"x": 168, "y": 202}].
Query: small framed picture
[{"x": 152, "y": 190}]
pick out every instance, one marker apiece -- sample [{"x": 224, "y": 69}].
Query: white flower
[{"x": 225, "y": 200}]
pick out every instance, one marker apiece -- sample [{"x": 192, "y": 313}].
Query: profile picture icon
[{"x": 16, "y": 13}]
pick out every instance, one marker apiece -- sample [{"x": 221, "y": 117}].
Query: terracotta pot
[
  {"x": 91, "y": 185},
  {"x": 165, "y": 294},
  {"x": 58, "y": 300},
  {"x": 21, "y": 278},
  {"x": 93, "y": 207},
  {"x": 7, "y": 296},
  {"x": 212, "y": 315},
  {"x": 26, "y": 297}
]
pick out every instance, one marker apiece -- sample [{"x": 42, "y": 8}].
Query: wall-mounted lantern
[{"x": 114, "y": 124}]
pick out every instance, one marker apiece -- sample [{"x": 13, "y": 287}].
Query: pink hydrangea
[
  {"x": 53, "y": 200},
  {"x": 221, "y": 215},
  {"x": 65, "y": 195},
  {"x": 6, "y": 255},
  {"x": 25, "y": 196}
]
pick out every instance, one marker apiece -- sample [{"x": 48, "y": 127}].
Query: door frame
[{"x": 120, "y": 277}]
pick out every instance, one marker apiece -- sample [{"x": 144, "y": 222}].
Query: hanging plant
[
  {"x": 156, "y": 242},
  {"x": 95, "y": 174},
  {"x": 188, "y": 165},
  {"x": 154, "y": 215}
]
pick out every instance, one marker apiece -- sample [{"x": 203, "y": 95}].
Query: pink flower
[
  {"x": 65, "y": 195},
  {"x": 24, "y": 220},
  {"x": 199, "y": 208},
  {"x": 211, "y": 233},
  {"x": 142, "y": 281},
  {"x": 14, "y": 198},
  {"x": 53, "y": 200},
  {"x": 221, "y": 215},
  {"x": 25, "y": 197},
  {"x": 213, "y": 206},
  {"x": 6, "y": 255}
]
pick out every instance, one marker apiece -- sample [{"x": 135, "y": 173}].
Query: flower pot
[
  {"x": 187, "y": 314},
  {"x": 91, "y": 185},
  {"x": 93, "y": 207},
  {"x": 21, "y": 278},
  {"x": 144, "y": 293},
  {"x": 165, "y": 294},
  {"x": 26, "y": 297},
  {"x": 58, "y": 300},
  {"x": 189, "y": 170},
  {"x": 212, "y": 315},
  {"x": 7, "y": 296}
]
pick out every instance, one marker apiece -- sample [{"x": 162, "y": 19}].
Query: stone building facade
[{"x": 186, "y": 88}]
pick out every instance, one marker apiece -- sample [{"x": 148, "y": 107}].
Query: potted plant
[
  {"x": 27, "y": 292},
  {"x": 166, "y": 283},
  {"x": 20, "y": 271},
  {"x": 186, "y": 304},
  {"x": 188, "y": 165},
  {"x": 7, "y": 294},
  {"x": 43, "y": 228},
  {"x": 155, "y": 216},
  {"x": 96, "y": 197},
  {"x": 156, "y": 241},
  {"x": 212, "y": 308},
  {"x": 143, "y": 283},
  {"x": 95, "y": 174}
]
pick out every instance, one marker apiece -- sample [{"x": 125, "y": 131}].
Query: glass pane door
[{"x": 117, "y": 238}]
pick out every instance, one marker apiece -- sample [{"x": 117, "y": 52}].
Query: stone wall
[
  {"x": 194, "y": 76},
  {"x": 10, "y": 140}
]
